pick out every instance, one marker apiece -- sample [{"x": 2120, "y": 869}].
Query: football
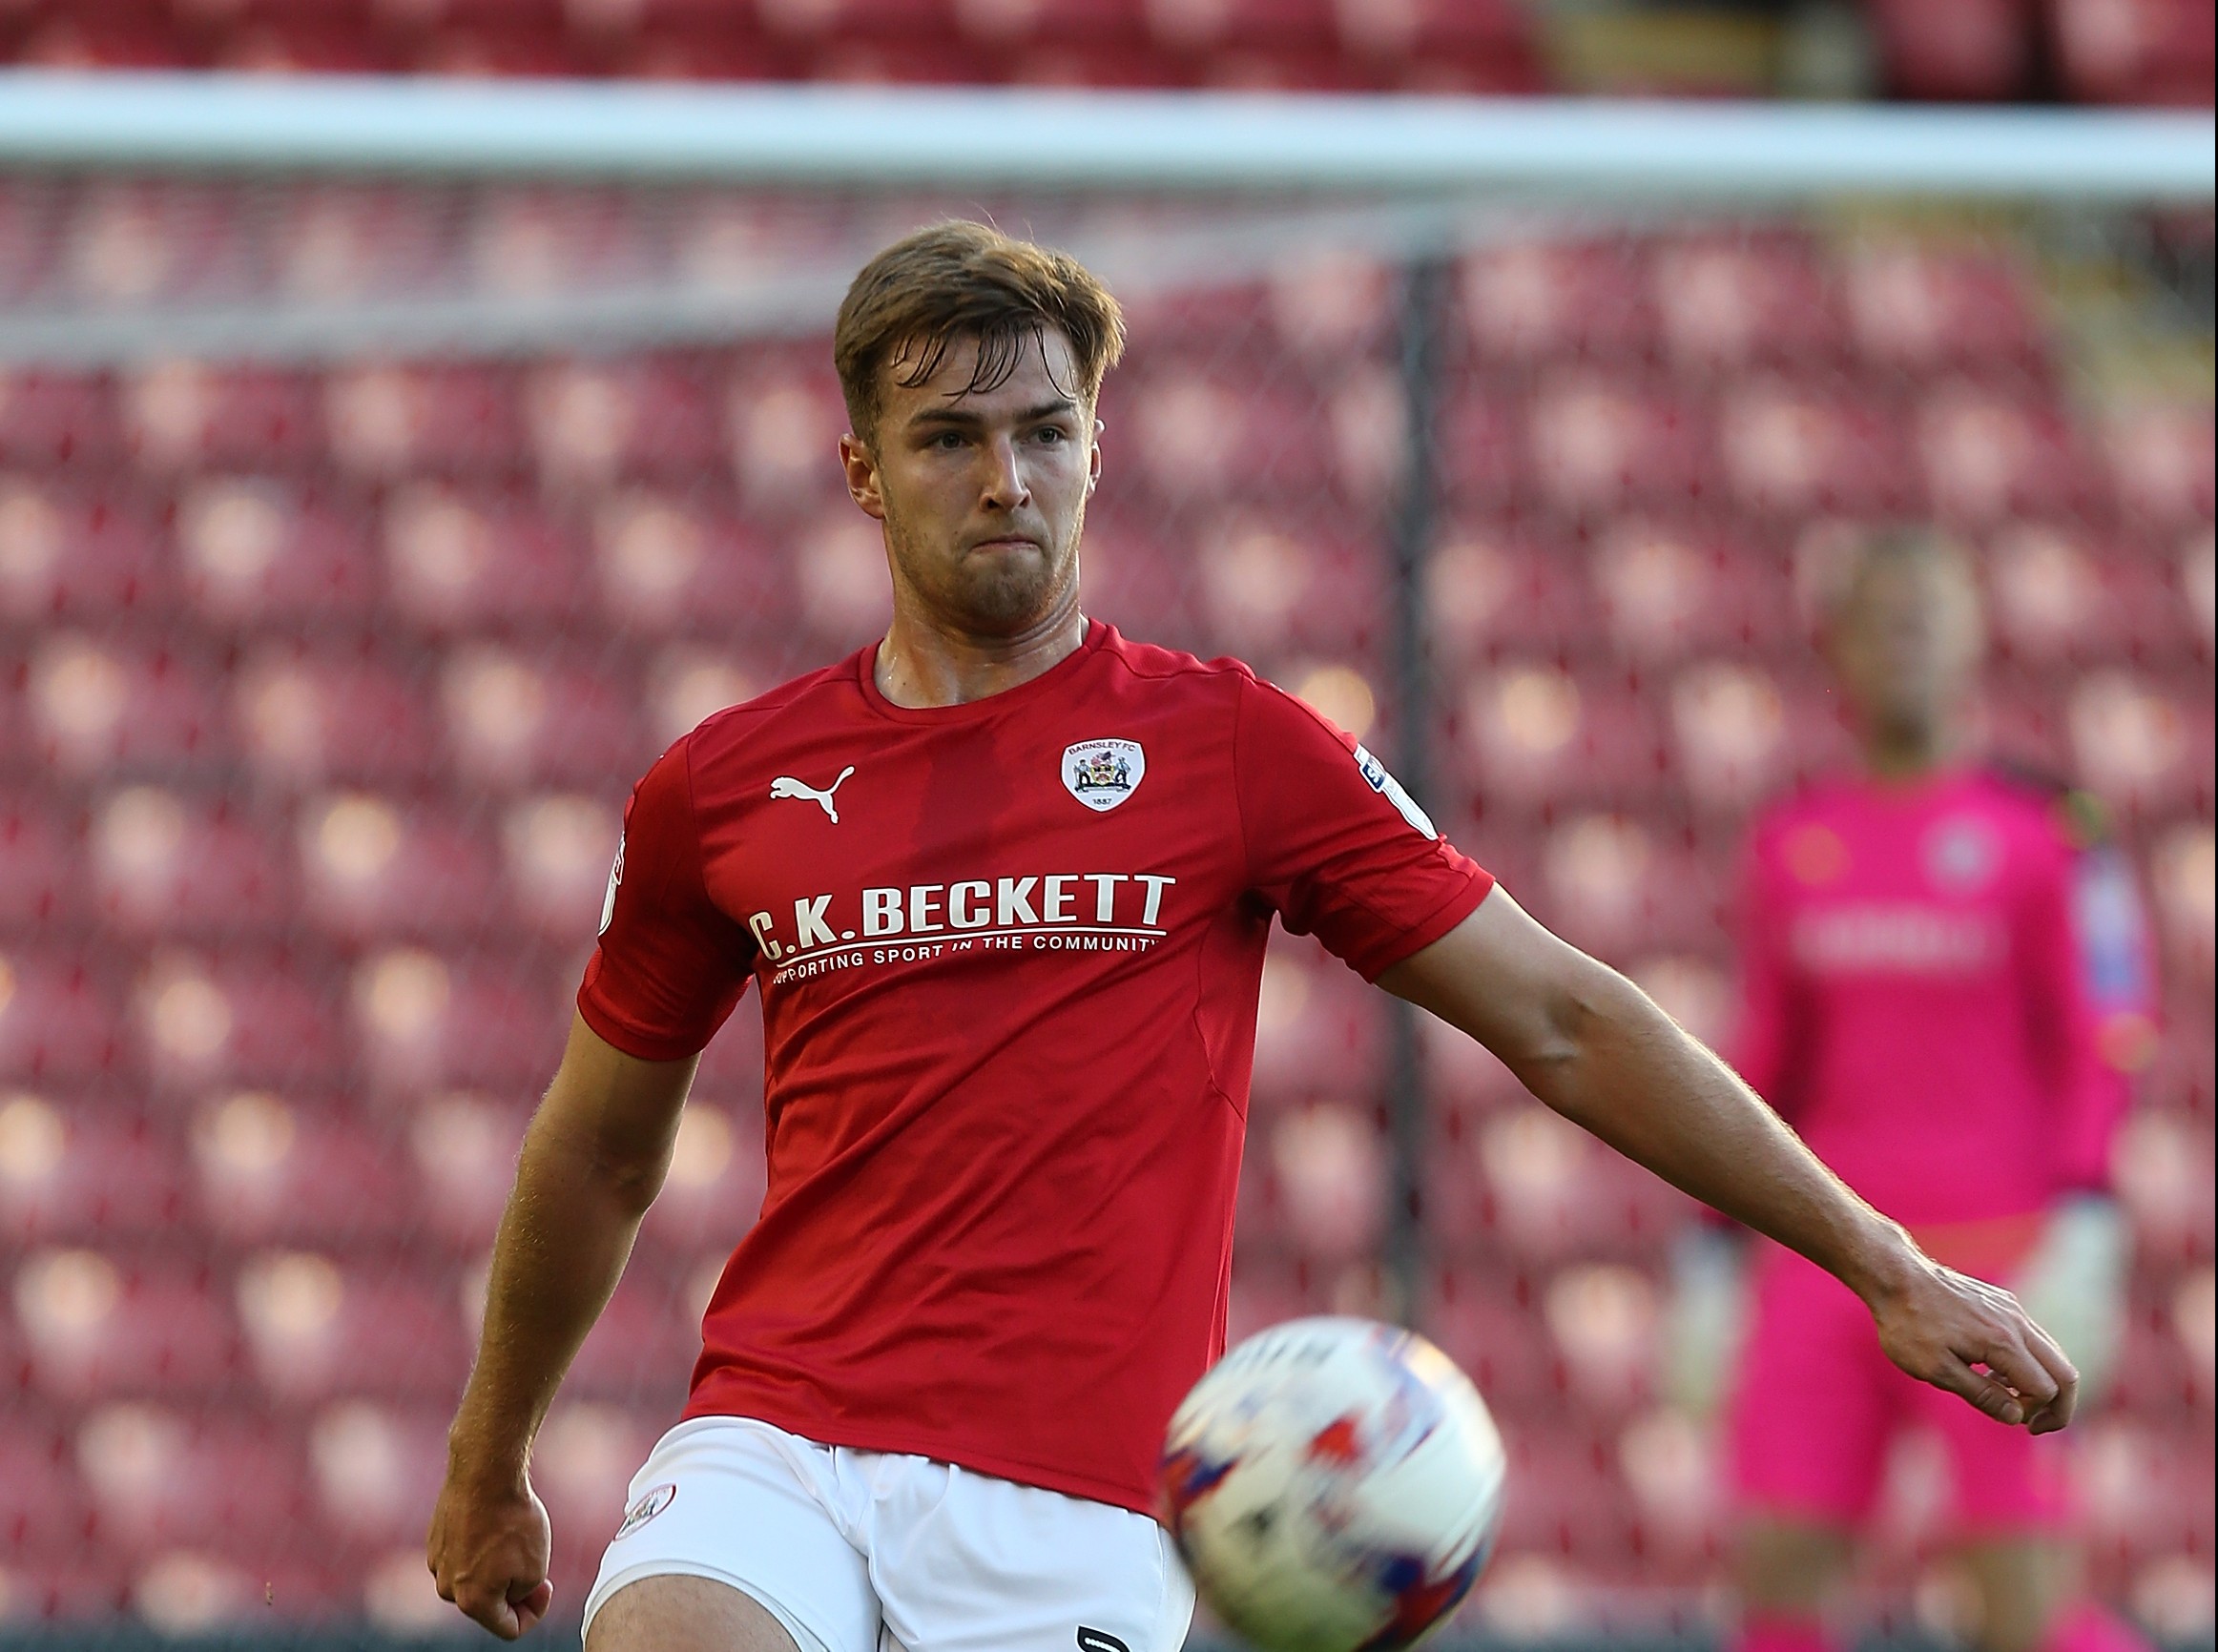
[{"x": 1332, "y": 1484}]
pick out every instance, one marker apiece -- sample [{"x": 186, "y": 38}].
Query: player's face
[
  {"x": 1905, "y": 645},
  {"x": 982, "y": 492}
]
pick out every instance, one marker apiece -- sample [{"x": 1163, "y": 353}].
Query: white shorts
[{"x": 855, "y": 1551}]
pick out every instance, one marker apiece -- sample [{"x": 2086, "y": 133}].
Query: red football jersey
[{"x": 1009, "y": 954}]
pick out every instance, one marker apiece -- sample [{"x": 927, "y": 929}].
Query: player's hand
[
  {"x": 1973, "y": 1339},
  {"x": 487, "y": 1550}
]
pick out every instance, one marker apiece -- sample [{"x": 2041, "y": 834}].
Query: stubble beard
[{"x": 1000, "y": 596}]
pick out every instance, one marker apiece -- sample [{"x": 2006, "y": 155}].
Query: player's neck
[
  {"x": 1905, "y": 756},
  {"x": 922, "y": 665}
]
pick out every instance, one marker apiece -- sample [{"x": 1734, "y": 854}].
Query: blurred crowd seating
[
  {"x": 2087, "y": 50},
  {"x": 324, "y": 686}
]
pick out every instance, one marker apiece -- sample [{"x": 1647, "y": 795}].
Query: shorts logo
[
  {"x": 1100, "y": 1640},
  {"x": 1102, "y": 774},
  {"x": 615, "y": 877},
  {"x": 649, "y": 1503}
]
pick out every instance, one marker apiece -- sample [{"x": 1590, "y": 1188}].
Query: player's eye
[
  {"x": 947, "y": 441},
  {"x": 1051, "y": 434}
]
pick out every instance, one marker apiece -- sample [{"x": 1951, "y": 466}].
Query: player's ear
[
  {"x": 1093, "y": 458},
  {"x": 860, "y": 466}
]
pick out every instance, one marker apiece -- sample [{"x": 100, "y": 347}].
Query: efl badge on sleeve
[{"x": 1102, "y": 774}]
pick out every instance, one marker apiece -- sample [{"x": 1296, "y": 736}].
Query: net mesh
[{"x": 361, "y": 544}]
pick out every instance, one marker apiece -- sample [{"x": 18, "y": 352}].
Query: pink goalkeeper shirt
[{"x": 1913, "y": 1000}]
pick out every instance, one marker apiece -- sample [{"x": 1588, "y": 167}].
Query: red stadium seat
[
  {"x": 1327, "y": 1166},
  {"x": 556, "y": 851},
  {"x": 97, "y": 1329},
  {"x": 1727, "y": 303},
  {"x": 56, "y": 1023},
  {"x": 41, "y": 871},
  {"x": 1912, "y": 306},
  {"x": 45, "y": 1514},
  {"x": 285, "y": 45},
  {"x": 1791, "y": 446},
  {"x": 182, "y": 415},
  {"x": 1667, "y": 592},
  {"x": 97, "y": 706},
  {"x": 581, "y": 1466},
  {"x": 422, "y": 1022},
  {"x": 785, "y": 425},
  {"x": 1600, "y": 443},
  {"x": 144, "y": 242},
  {"x": 688, "y": 681},
  {"x": 1534, "y": 733},
  {"x": 202, "y": 1023},
  {"x": 1733, "y": 737},
  {"x": 1479, "y": 1322},
  {"x": 2135, "y": 51},
  {"x": 272, "y": 1174},
  {"x": 166, "y": 864},
  {"x": 1197, "y": 435},
  {"x": 1977, "y": 50},
  {"x": 375, "y": 1468},
  {"x": 640, "y": 1349},
  {"x": 1612, "y": 885},
  {"x": 1331, "y": 302},
  {"x": 305, "y": 718},
  {"x": 254, "y": 552},
  {"x": 77, "y": 1173},
  {"x": 527, "y": 241},
  {"x": 2048, "y": 596},
  {"x": 1266, "y": 589},
  {"x": 463, "y": 1147},
  {"x": 2160, "y": 461},
  {"x": 160, "y": 1478},
  {"x": 1533, "y": 301},
  {"x": 71, "y": 557},
  {"x": 591, "y": 423},
  {"x": 30, "y": 223},
  {"x": 315, "y": 1329},
  {"x": 666, "y": 566},
  {"x": 1988, "y": 454},
  {"x": 1604, "y": 1318},
  {"x": 456, "y": 561},
  {"x": 52, "y": 418},
  {"x": 1316, "y": 1031},
  {"x": 372, "y": 867},
  {"x": 2137, "y": 745},
  {"x": 391, "y": 420},
  {"x": 517, "y": 717},
  {"x": 1486, "y": 592},
  {"x": 716, "y": 1179}
]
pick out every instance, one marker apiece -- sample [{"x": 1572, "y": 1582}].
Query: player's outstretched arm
[
  {"x": 594, "y": 1159},
  {"x": 1595, "y": 1048}
]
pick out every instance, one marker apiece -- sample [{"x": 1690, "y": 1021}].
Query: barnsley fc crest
[{"x": 1102, "y": 774}]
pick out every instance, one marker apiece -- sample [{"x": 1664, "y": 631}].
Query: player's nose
[{"x": 1004, "y": 488}]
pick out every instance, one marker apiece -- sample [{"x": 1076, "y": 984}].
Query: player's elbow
[{"x": 1588, "y": 1009}]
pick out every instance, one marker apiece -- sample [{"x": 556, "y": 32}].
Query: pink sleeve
[
  {"x": 1766, "y": 1040},
  {"x": 2087, "y": 1097},
  {"x": 1335, "y": 845},
  {"x": 670, "y": 964}
]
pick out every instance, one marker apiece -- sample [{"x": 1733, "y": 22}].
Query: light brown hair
[{"x": 968, "y": 281}]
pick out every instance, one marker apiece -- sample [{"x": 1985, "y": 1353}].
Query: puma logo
[
  {"x": 786, "y": 786},
  {"x": 1100, "y": 1640}
]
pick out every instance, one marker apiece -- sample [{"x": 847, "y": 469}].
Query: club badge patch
[
  {"x": 1102, "y": 774},
  {"x": 649, "y": 1503}
]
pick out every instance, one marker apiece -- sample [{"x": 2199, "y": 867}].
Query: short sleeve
[
  {"x": 1335, "y": 845},
  {"x": 670, "y": 964}
]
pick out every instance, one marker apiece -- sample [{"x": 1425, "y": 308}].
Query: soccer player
[
  {"x": 1003, "y": 880},
  {"x": 1918, "y": 1004}
]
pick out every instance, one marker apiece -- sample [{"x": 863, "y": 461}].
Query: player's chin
[{"x": 1009, "y": 590}]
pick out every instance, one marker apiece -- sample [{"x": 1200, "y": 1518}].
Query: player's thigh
[
  {"x": 1814, "y": 1400},
  {"x": 685, "y": 1614},
  {"x": 967, "y": 1563},
  {"x": 739, "y": 1505},
  {"x": 1789, "y": 1566},
  {"x": 2024, "y": 1582}
]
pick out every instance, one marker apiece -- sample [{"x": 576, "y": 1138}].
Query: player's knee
[
  {"x": 678, "y": 1614},
  {"x": 1790, "y": 1566}
]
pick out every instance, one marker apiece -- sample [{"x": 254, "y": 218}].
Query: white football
[{"x": 1334, "y": 1485}]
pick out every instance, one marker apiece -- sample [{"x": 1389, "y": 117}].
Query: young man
[
  {"x": 1917, "y": 1002},
  {"x": 936, "y": 1371}
]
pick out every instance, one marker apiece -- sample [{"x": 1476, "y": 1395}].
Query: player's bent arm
[
  {"x": 592, "y": 1161},
  {"x": 1595, "y": 1048}
]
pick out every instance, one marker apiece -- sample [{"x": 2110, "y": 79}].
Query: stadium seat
[
  {"x": 254, "y": 552},
  {"x": 1730, "y": 304},
  {"x": 1602, "y": 443},
  {"x": 1988, "y": 454},
  {"x": 715, "y": 1186},
  {"x": 391, "y": 420},
  {"x": 272, "y": 1172},
  {"x": 1793, "y": 446},
  {"x": 515, "y": 717},
  {"x": 57, "y": 1024},
  {"x": 581, "y": 1464},
  {"x": 41, "y": 866},
  {"x": 199, "y": 1021},
  {"x": 1534, "y": 733},
  {"x": 2160, "y": 461},
  {"x": 785, "y": 418},
  {"x": 162, "y": 1478},
  {"x": 304, "y": 716},
  {"x": 1604, "y": 1318},
  {"x": 1206, "y": 436},
  {"x": 2133, "y": 743},
  {"x": 461, "y": 1149},
  {"x": 523, "y": 241},
  {"x": 556, "y": 852},
  {"x": 423, "y": 1021},
  {"x": 71, "y": 556},
  {"x": 99, "y": 706},
  {"x": 2155, "y": 52},
  {"x": 592, "y": 423},
  {"x": 1667, "y": 592},
  {"x": 1318, "y": 1031},
  {"x": 640, "y": 1351},
  {"x": 374, "y": 867},
  {"x": 2048, "y": 597},
  {"x": 1327, "y": 1164},
  {"x": 456, "y": 561},
  {"x": 1732, "y": 736},
  {"x": 1267, "y": 587},
  {"x": 99, "y": 1328},
  {"x": 72, "y": 1174},
  {"x": 45, "y": 1513},
  {"x": 57, "y": 417},
  {"x": 1486, "y": 592},
  {"x": 180, "y": 415},
  {"x": 315, "y": 1328},
  {"x": 168, "y": 865},
  {"x": 688, "y": 681},
  {"x": 143, "y": 241},
  {"x": 1331, "y": 303},
  {"x": 1533, "y": 301},
  {"x": 1612, "y": 884},
  {"x": 375, "y": 1468},
  {"x": 666, "y": 566},
  {"x": 1912, "y": 306}
]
